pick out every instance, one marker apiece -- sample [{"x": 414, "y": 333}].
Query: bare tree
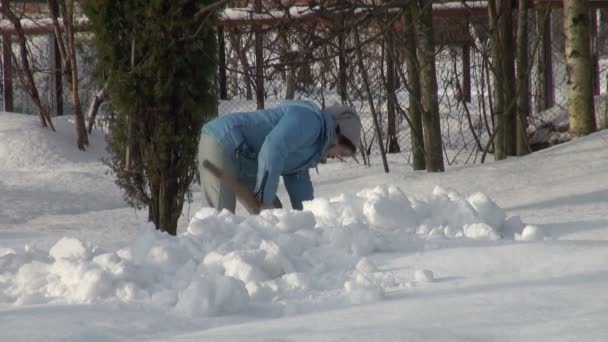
[
  {"x": 67, "y": 51},
  {"x": 413, "y": 78},
  {"x": 499, "y": 84},
  {"x": 505, "y": 31},
  {"x": 523, "y": 80},
  {"x": 605, "y": 124},
  {"x": 241, "y": 51},
  {"x": 97, "y": 101},
  {"x": 370, "y": 98},
  {"x": 392, "y": 142},
  {"x": 428, "y": 85},
  {"x": 23, "y": 65}
]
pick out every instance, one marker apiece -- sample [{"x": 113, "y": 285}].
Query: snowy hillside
[{"x": 508, "y": 251}]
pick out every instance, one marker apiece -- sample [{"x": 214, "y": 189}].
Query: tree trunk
[
  {"x": 603, "y": 32},
  {"x": 595, "y": 58},
  {"x": 342, "y": 63},
  {"x": 94, "y": 108},
  {"x": 578, "y": 58},
  {"x": 259, "y": 61},
  {"x": 221, "y": 46},
  {"x": 56, "y": 74},
  {"x": 236, "y": 42},
  {"x": 540, "y": 21},
  {"x": 392, "y": 141},
  {"x": 428, "y": 84},
  {"x": 466, "y": 72},
  {"x": 290, "y": 76},
  {"x": 7, "y": 67},
  {"x": 168, "y": 208},
  {"x": 27, "y": 79},
  {"x": 508, "y": 64},
  {"x": 67, "y": 50},
  {"x": 370, "y": 98},
  {"x": 523, "y": 81},
  {"x": 499, "y": 85},
  {"x": 413, "y": 80},
  {"x": 605, "y": 125}
]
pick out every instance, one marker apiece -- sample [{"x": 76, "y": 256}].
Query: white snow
[
  {"x": 424, "y": 276},
  {"x": 510, "y": 251}
]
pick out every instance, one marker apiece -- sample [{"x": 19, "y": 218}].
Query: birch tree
[
  {"x": 578, "y": 58},
  {"x": 67, "y": 50}
]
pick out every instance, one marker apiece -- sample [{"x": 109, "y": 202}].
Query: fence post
[{"x": 7, "y": 70}]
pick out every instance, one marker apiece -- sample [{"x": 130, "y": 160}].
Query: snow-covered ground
[{"x": 507, "y": 251}]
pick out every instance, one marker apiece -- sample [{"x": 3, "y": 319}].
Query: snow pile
[
  {"x": 281, "y": 260},
  {"x": 387, "y": 212}
]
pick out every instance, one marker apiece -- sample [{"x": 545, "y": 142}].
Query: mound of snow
[{"x": 224, "y": 263}]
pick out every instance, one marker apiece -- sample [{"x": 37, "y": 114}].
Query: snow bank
[{"x": 281, "y": 260}]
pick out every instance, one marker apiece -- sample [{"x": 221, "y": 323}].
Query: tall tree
[
  {"x": 578, "y": 58},
  {"x": 413, "y": 81},
  {"x": 428, "y": 85},
  {"x": 543, "y": 61},
  {"x": 523, "y": 80},
  {"x": 160, "y": 62},
  {"x": 65, "y": 11},
  {"x": 605, "y": 124},
  {"x": 499, "y": 84},
  {"x": 392, "y": 143},
  {"x": 7, "y": 67},
  {"x": 23, "y": 60},
  {"x": 370, "y": 97},
  {"x": 505, "y": 31},
  {"x": 259, "y": 59}
]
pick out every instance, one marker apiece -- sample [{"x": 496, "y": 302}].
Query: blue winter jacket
[{"x": 286, "y": 140}]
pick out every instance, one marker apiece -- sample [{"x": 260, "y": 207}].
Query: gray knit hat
[{"x": 348, "y": 121}]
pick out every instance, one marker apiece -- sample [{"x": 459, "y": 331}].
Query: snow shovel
[{"x": 239, "y": 190}]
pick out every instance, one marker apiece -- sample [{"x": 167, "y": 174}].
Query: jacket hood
[{"x": 348, "y": 121}]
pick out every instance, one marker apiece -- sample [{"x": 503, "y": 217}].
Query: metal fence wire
[
  {"x": 465, "y": 118},
  {"x": 304, "y": 60}
]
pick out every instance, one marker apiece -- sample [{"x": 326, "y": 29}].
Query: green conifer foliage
[{"x": 159, "y": 60}]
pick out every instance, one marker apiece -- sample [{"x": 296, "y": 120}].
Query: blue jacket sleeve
[
  {"x": 297, "y": 128},
  {"x": 299, "y": 188}
]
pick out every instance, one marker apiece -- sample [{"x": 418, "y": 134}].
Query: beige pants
[{"x": 216, "y": 194}]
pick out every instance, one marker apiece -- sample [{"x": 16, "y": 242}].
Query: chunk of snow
[
  {"x": 424, "y": 276},
  {"x": 488, "y": 211},
  {"x": 532, "y": 233},
  {"x": 68, "y": 248}
]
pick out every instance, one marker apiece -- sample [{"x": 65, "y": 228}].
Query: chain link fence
[{"x": 466, "y": 117}]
